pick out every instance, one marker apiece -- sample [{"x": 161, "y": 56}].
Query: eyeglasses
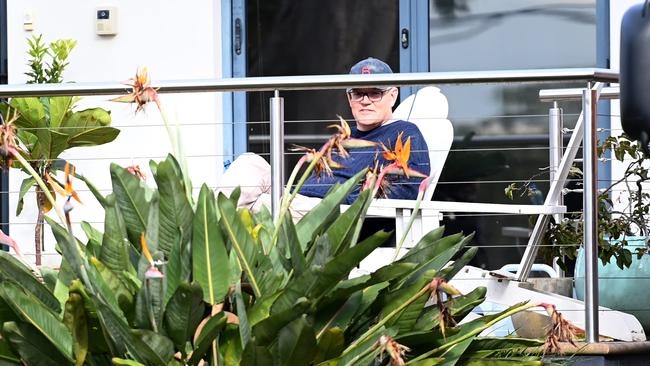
[{"x": 373, "y": 95}]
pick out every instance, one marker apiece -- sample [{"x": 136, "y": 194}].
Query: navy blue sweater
[{"x": 362, "y": 158}]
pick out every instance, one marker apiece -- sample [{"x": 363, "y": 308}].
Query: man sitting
[{"x": 373, "y": 114}]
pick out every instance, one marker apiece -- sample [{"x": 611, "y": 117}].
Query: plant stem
[
  {"x": 38, "y": 233},
  {"x": 41, "y": 184},
  {"x": 170, "y": 134},
  {"x": 176, "y": 148}
]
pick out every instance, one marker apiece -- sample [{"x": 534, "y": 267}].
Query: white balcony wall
[{"x": 175, "y": 41}]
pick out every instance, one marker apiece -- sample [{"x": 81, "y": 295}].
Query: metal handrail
[
  {"x": 314, "y": 82},
  {"x": 556, "y": 95}
]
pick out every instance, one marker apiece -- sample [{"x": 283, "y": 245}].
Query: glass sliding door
[
  {"x": 502, "y": 130},
  {"x": 310, "y": 37}
]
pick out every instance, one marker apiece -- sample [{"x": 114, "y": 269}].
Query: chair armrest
[{"x": 389, "y": 205}]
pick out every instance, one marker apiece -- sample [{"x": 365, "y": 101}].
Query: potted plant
[{"x": 622, "y": 232}]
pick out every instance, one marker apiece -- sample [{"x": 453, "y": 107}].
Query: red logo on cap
[{"x": 366, "y": 70}]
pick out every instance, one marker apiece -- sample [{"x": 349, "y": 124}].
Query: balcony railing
[{"x": 592, "y": 77}]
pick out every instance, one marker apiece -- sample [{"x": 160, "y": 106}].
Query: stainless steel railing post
[
  {"x": 590, "y": 207},
  {"x": 276, "y": 104},
  {"x": 555, "y": 144}
]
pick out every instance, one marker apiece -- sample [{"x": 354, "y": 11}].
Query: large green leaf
[
  {"x": 94, "y": 236},
  {"x": 484, "y": 347},
  {"x": 115, "y": 247},
  {"x": 209, "y": 256},
  {"x": 319, "y": 218},
  {"x": 343, "y": 229},
  {"x": 73, "y": 262},
  {"x": 330, "y": 345},
  {"x": 354, "y": 352},
  {"x": 93, "y": 137},
  {"x": 32, "y": 113},
  {"x": 74, "y": 317},
  {"x": 7, "y": 355},
  {"x": 160, "y": 344},
  {"x": 99, "y": 287},
  {"x": 118, "y": 289},
  {"x": 33, "y": 347},
  {"x": 98, "y": 196},
  {"x": 267, "y": 330},
  {"x": 242, "y": 243},
  {"x": 174, "y": 271},
  {"x": 206, "y": 337},
  {"x": 316, "y": 282},
  {"x": 25, "y": 186},
  {"x": 288, "y": 235},
  {"x": 123, "y": 340},
  {"x": 296, "y": 343},
  {"x": 183, "y": 313},
  {"x": 149, "y": 307},
  {"x": 430, "y": 247},
  {"x": 133, "y": 199},
  {"x": 390, "y": 273},
  {"x": 49, "y": 145},
  {"x": 28, "y": 139},
  {"x": 254, "y": 355},
  {"x": 407, "y": 316},
  {"x": 86, "y": 119},
  {"x": 244, "y": 326},
  {"x": 458, "y": 338},
  {"x": 58, "y": 107},
  {"x": 175, "y": 211},
  {"x": 230, "y": 346},
  {"x": 436, "y": 255},
  {"x": 42, "y": 318},
  {"x": 151, "y": 238},
  {"x": 12, "y": 269}
]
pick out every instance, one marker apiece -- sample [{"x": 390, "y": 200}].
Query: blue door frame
[{"x": 414, "y": 39}]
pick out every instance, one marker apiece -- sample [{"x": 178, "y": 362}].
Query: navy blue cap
[{"x": 371, "y": 66}]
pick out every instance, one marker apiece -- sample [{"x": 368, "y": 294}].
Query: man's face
[{"x": 372, "y": 107}]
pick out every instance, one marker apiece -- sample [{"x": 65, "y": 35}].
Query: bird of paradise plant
[
  {"x": 106, "y": 311},
  {"x": 142, "y": 93},
  {"x": 320, "y": 162}
]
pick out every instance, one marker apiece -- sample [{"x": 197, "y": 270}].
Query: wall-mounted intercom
[{"x": 106, "y": 21}]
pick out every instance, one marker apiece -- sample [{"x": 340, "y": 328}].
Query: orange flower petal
[
  {"x": 145, "y": 249},
  {"x": 57, "y": 188}
]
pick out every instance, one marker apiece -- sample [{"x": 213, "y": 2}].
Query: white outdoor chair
[{"x": 428, "y": 109}]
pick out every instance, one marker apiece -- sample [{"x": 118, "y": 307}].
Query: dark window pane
[
  {"x": 502, "y": 130},
  {"x": 312, "y": 37}
]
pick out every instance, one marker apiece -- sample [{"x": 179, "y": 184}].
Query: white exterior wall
[{"x": 175, "y": 41}]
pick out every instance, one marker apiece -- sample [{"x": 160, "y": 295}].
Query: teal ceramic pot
[{"x": 627, "y": 290}]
